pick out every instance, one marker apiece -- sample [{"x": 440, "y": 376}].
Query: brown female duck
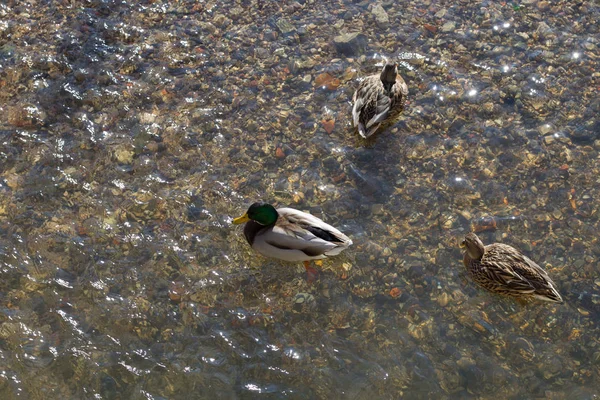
[
  {"x": 378, "y": 98},
  {"x": 502, "y": 269}
]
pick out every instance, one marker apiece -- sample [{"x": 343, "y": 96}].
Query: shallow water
[{"x": 131, "y": 134}]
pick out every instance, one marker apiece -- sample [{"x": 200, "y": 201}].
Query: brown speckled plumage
[
  {"x": 377, "y": 99},
  {"x": 502, "y": 269}
]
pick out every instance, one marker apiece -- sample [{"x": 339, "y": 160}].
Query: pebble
[
  {"x": 152, "y": 146},
  {"x": 124, "y": 154},
  {"x": 440, "y": 13},
  {"x": 377, "y": 209},
  {"x": 147, "y": 118},
  {"x": 285, "y": 26},
  {"x": 545, "y": 129},
  {"x": 26, "y": 115},
  {"x": 351, "y": 44},
  {"x": 305, "y": 64},
  {"x": 280, "y": 52},
  {"x": 221, "y": 21},
  {"x": 443, "y": 299},
  {"x": 449, "y": 26},
  {"x": 303, "y": 302},
  {"x": 14, "y": 181},
  {"x": 261, "y": 52},
  {"x": 209, "y": 27},
  {"x": 557, "y": 214},
  {"x": 543, "y": 28},
  {"x": 381, "y": 15},
  {"x": 236, "y": 11}
]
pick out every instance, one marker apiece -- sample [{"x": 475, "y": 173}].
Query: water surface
[{"x": 132, "y": 133}]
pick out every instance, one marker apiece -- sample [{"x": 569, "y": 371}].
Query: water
[{"x": 131, "y": 134}]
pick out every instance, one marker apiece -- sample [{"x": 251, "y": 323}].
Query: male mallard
[
  {"x": 291, "y": 235},
  {"x": 378, "y": 98},
  {"x": 505, "y": 270}
]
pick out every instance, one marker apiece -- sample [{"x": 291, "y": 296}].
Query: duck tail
[
  {"x": 548, "y": 294},
  {"x": 362, "y": 131}
]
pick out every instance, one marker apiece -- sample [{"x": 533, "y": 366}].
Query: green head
[{"x": 261, "y": 212}]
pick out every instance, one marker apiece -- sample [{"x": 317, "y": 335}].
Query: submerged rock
[
  {"x": 350, "y": 44},
  {"x": 380, "y": 15},
  {"x": 285, "y": 26}
]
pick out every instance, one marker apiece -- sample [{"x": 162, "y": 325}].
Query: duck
[
  {"x": 291, "y": 235},
  {"x": 502, "y": 269},
  {"x": 377, "y": 99}
]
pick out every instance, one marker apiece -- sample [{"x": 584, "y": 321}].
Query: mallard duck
[
  {"x": 502, "y": 269},
  {"x": 291, "y": 235},
  {"x": 378, "y": 98}
]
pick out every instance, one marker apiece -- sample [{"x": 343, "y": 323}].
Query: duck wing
[
  {"x": 517, "y": 272},
  {"x": 371, "y": 104},
  {"x": 300, "y": 230}
]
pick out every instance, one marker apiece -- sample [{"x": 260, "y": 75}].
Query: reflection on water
[{"x": 131, "y": 133}]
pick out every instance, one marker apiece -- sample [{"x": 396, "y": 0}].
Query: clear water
[{"x": 131, "y": 134}]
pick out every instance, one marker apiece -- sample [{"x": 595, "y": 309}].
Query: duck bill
[{"x": 241, "y": 220}]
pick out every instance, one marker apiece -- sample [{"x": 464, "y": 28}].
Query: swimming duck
[
  {"x": 291, "y": 235},
  {"x": 502, "y": 269},
  {"x": 378, "y": 98}
]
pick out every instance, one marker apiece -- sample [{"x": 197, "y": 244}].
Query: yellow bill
[{"x": 241, "y": 220}]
